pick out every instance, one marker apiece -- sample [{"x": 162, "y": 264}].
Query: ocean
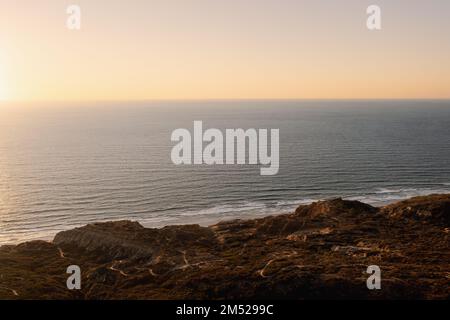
[{"x": 65, "y": 165}]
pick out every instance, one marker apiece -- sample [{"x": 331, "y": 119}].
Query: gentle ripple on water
[{"x": 62, "y": 167}]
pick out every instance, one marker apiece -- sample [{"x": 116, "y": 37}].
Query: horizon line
[{"x": 218, "y": 99}]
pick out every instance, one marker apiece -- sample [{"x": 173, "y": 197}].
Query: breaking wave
[{"x": 385, "y": 196}]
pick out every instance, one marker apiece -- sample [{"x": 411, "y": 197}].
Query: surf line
[{"x": 229, "y": 148}]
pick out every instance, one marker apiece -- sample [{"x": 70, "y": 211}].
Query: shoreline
[
  {"x": 320, "y": 251},
  {"x": 245, "y": 211}
]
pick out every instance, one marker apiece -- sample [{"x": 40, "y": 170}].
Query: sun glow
[
  {"x": 2, "y": 84},
  {"x": 2, "y": 94}
]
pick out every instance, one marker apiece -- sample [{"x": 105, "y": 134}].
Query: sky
[{"x": 211, "y": 49}]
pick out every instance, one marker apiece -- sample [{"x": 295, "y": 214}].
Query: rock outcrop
[{"x": 321, "y": 251}]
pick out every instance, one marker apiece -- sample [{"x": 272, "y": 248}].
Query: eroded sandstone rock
[{"x": 320, "y": 251}]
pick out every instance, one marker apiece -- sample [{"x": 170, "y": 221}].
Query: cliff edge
[{"x": 320, "y": 251}]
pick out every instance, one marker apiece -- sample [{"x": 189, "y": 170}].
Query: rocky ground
[{"x": 320, "y": 251}]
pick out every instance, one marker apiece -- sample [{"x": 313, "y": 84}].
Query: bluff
[{"x": 320, "y": 251}]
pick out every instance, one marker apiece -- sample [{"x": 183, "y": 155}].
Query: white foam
[
  {"x": 295, "y": 202},
  {"x": 385, "y": 196}
]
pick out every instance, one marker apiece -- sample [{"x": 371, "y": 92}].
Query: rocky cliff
[{"x": 320, "y": 251}]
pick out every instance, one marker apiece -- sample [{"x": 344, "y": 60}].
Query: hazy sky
[{"x": 229, "y": 49}]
